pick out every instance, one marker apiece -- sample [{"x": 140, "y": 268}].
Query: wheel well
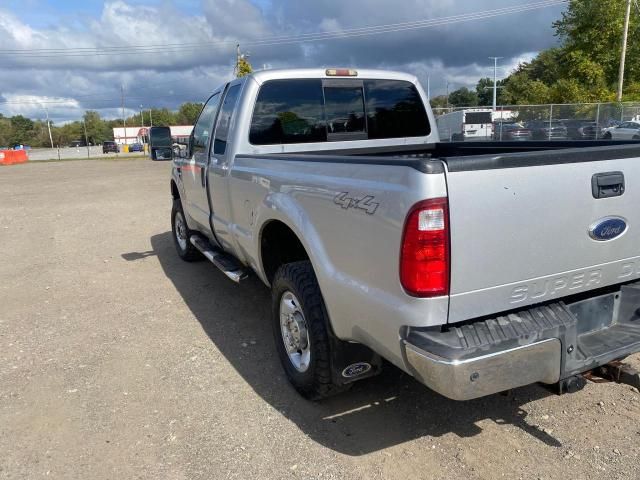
[
  {"x": 175, "y": 193},
  {"x": 279, "y": 245}
]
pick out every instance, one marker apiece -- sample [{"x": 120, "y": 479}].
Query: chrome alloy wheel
[
  {"x": 181, "y": 231},
  {"x": 295, "y": 333}
]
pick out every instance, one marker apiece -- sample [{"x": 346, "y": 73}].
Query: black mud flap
[{"x": 352, "y": 361}]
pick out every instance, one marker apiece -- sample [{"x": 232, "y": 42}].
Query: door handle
[
  {"x": 202, "y": 177},
  {"x": 607, "y": 185}
]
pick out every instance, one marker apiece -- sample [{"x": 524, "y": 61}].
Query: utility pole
[
  {"x": 141, "y": 118},
  {"x": 495, "y": 81},
  {"x": 447, "y": 94},
  {"x": 238, "y": 55},
  {"x": 86, "y": 140},
  {"x": 48, "y": 125},
  {"x": 124, "y": 121},
  {"x": 623, "y": 56},
  {"x": 150, "y": 119}
]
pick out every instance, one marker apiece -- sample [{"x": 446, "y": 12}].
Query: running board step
[{"x": 226, "y": 263}]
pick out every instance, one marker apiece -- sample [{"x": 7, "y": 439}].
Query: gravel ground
[{"x": 117, "y": 360}]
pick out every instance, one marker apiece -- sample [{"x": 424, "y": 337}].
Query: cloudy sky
[{"x": 73, "y": 55}]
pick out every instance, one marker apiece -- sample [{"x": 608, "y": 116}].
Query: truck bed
[
  {"x": 520, "y": 215},
  {"x": 476, "y": 155}
]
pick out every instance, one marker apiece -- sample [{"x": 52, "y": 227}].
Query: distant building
[{"x": 179, "y": 133}]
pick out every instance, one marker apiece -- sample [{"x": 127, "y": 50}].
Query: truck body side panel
[{"x": 354, "y": 247}]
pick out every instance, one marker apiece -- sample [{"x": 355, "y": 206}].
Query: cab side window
[
  {"x": 204, "y": 126},
  {"x": 224, "y": 120}
]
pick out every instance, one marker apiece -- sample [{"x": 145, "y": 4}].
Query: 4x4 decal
[{"x": 365, "y": 203}]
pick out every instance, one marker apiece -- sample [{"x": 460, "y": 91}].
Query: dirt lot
[{"x": 119, "y": 361}]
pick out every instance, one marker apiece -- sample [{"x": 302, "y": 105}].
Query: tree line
[
  {"x": 19, "y": 130},
  {"x": 583, "y": 68}
]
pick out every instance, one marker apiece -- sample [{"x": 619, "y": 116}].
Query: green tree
[
  {"x": 97, "y": 129},
  {"x": 22, "y": 130},
  {"x": 438, "y": 102},
  {"x": 162, "y": 117},
  {"x": 522, "y": 89},
  {"x": 484, "y": 91},
  {"x": 584, "y": 68},
  {"x": 463, "y": 97},
  {"x": 67, "y": 133},
  {"x": 5, "y": 131},
  {"x": 592, "y": 30},
  {"x": 188, "y": 113},
  {"x": 243, "y": 67}
]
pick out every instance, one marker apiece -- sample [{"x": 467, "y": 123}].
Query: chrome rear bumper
[
  {"x": 546, "y": 344},
  {"x": 487, "y": 374}
]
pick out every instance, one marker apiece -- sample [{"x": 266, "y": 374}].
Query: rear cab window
[{"x": 314, "y": 110}]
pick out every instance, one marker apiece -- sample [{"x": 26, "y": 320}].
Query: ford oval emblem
[
  {"x": 607, "y": 228},
  {"x": 356, "y": 369}
]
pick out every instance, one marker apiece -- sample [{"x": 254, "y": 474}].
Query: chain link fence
[{"x": 578, "y": 121}]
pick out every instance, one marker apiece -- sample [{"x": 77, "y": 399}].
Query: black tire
[
  {"x": 186, "y": 251},
  {"x": 316, "y": 382},
  {"x": 636, "y": 137},
  {"x": 607, "y": 136}
]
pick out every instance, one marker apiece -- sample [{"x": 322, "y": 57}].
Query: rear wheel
[
  {"x": 182, "y": 234},
  {"x": 300, "y": 323},
  {"x": 607, "y": 136}
]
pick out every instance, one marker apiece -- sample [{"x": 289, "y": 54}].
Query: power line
[{"x": 281, "y": 40}]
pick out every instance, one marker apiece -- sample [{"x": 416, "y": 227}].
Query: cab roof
[{"x": 262, "y": 76}]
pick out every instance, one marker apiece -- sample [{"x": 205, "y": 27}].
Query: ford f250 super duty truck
[{"x": 474, "y": 267}]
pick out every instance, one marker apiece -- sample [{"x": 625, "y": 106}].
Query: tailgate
[{"x": 528, "y": 228}]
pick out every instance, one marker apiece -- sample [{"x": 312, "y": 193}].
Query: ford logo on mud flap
[
  {"x": 607, "y": 228},
  {"x": 356, "y": 369}
]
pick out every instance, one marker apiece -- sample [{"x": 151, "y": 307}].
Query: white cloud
[{"x": 457, "y": 54}]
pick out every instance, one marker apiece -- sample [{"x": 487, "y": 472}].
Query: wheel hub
[
  {"x": 295, "y": 334},
  {"x": 181, "y": 231}
]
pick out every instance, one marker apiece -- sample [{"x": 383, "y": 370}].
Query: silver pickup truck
[{"x": 474, "y": 267}]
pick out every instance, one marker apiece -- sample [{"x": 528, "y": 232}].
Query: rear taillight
[{"x": 424, "y": 255}]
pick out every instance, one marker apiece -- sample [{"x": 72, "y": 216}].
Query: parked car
[
  {"x": 624, "y": 131},
  {"x": 510, "y": 132},
  {"x": 582, "y": 129},
  {"x": 136, "y": 147},
  {"x": 544, "y": 130},
  {"x": 110, "y": 147},
  {"x": 474, "y": 267},
  {"x": 77, "y": 143}
]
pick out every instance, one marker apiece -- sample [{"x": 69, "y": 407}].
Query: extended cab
[{"x": 475, "y": 267}]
